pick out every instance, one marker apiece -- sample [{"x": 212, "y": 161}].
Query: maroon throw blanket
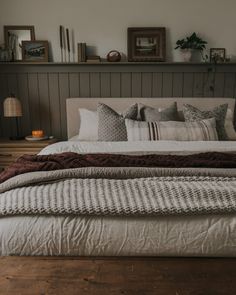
[{"x": 32, "y": 163}]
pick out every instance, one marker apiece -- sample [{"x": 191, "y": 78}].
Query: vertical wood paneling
[
  {"x": 219, "y": 84},
  {"x": 167, "y": 90},
  {"x": 12, "y": 84},
  {"x": 115, "y": 84},
  {"x": 198, "y": 85},
  {"x": 64, "y": 94},
  {"x": 136, "y": 84},
  {"x": 188, "y": 83},
  {"x": 126, "y": 90},
  {"x": 229, "y": 85},
  {"x": 43, "y": 94},
  {"x": 147, "y": 84},
  {"x": 157, "y": 83},
  {"x": 209, "y": 84},
  {"x": 177, "y": 84},
  {"x": 44, "y": 103},
  {"x": 105, "y": 85},
  {"x": 34, "y": 105},
  {"x": 235, "y": 105},
  {"x": 74, "y": 84},
  {"x": 4, "y": 122},
  {"x": 24, "y": 97},
  {"x": 84, "y": 85},
  {"x": 95, "y": 85},
  {"x": 55, "y": 108}
]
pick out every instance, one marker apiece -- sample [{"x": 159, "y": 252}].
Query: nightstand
[{"x": 10, "y": 150}]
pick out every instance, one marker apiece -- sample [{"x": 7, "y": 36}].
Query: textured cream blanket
[{"x": 120, "y": 191}]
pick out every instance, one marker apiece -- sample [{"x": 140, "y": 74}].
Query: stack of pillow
[{"x": 142, "y": 123}]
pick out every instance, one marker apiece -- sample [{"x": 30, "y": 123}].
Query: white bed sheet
[
  {"x": 141, "y": 147},
  {"x": 212, "y": 235}
]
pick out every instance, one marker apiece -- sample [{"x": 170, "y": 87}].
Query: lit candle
[{"x": 37, "y": 133}]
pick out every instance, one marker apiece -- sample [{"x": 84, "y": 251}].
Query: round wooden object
[{"x": 113, "y": 56}]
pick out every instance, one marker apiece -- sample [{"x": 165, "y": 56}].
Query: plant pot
[
  {"x": 186, "y": 54},
  {"x": 196, "y": 56}
]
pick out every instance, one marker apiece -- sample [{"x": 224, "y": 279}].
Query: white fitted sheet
[{"x": 213, "y": 235}]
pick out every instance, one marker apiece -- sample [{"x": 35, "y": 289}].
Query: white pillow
[
  {"x": 229, "y": 127},
  {"x": 88, "y": 130}
]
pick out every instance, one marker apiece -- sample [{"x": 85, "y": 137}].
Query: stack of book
[
  {"x": 81, "y": 52},
  {"x": 93, "y": 58}
]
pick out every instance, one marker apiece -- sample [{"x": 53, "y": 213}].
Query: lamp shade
[{"x": 12, "y": 107}]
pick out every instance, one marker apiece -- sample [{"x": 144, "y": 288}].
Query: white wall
[{"x": 103, "y": 23}]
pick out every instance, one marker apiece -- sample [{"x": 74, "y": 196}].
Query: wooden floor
[{"x": 138, "y": 276}]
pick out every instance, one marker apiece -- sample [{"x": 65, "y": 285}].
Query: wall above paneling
[
  {"x": 43, "y": 88},
  {"x": 103, "y": 23}
]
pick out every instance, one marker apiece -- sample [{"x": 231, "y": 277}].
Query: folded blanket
[
  {"x": 116, "y": 191},
  {"x": 69, "y": 160}
]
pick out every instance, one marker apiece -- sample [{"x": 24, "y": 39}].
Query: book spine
[
  {"x": 80, "y": 57},
  {"x": 84, "y": 52}
]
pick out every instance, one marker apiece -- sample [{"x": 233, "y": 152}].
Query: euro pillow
[
  {"x": 111, "y": 125},
  {"x": 151, "y": 114},
  {"x": 88, "y": 130},
  {"x": 204, "y": 130},
  {"x": 192, "y": 114}
]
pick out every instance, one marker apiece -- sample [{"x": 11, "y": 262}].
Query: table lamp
[{"x": 12, "y": 109}]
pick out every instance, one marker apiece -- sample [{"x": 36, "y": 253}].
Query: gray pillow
[
  {"x": 192, "y": 114},
  {"x": 150, "y": 114},
  {"x": 111, "y": 125}
]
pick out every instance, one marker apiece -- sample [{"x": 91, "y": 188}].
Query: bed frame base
[{"x": 138, "y": 276}]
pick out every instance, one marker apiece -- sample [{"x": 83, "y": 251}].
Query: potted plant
[{"x": 191, "y": 44}]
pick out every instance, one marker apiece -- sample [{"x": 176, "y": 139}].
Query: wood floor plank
[{"x": 135, "y": 276}]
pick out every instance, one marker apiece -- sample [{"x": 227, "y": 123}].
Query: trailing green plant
[{"x": 192, "y": 42}]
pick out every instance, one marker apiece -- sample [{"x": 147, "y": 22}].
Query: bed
[{"x": 118, "y": 214}]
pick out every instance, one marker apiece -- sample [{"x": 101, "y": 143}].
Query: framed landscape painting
[
  {"x": 146, "y": 44},
  {"x": 35, "y": 51}
]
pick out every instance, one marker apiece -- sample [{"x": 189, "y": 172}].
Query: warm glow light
[{"x": 37, "y": 133}]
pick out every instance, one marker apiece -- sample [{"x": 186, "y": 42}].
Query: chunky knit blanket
[
  {"x": 116, "y": 191},
  {"x": 69, "y": 160}
]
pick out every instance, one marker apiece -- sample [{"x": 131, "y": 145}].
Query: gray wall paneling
[{"x": 43, "y": 88}]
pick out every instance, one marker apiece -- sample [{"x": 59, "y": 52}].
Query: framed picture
[
  {"x": 217, "y": 54},
  {"x": 146, "y": 44},
  {"x": 13, "y": 37},
  {"x": 35, "y": 51}
]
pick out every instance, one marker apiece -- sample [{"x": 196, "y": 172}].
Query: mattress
[{"x": 195, "y": 235}]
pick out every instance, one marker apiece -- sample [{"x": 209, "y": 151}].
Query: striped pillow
[{"x": 204, "y": 130}]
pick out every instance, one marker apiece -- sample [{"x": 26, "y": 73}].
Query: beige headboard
[{"x": 120, "y": 104}]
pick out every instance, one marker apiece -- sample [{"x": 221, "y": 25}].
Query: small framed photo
[
  {"x": 217, "y": 54},
  {"x": 146, "y": 44},
  {"x": 35, "y": 51}
]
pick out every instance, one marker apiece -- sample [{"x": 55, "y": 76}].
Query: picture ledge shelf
[{"x": 115, "y": 63}]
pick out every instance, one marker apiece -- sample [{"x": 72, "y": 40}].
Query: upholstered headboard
[{"x": 120, "y": 104}]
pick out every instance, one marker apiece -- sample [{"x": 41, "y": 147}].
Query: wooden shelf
[{"x": 105, "y": 63}]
